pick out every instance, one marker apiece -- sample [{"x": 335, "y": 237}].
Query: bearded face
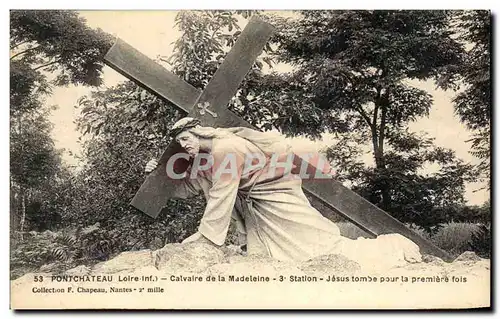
[{"x": 189, "y": 142}]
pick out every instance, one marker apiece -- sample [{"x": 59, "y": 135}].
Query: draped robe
[{"x": 275, "y": 215}]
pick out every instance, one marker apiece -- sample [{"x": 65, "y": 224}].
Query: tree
[
  {"x": 427, "y": 200},
  {"x": 47, "y": 48},
  {"x": 125, "y": 126},
  {"x": 34, "y": 159},
  {"x": 58, "y": 40},
  {"x": 353, "y": 73},
  {"x": 473, "y": 104}
]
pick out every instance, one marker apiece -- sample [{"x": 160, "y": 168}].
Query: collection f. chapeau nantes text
[{"x": 42, "y": 289}]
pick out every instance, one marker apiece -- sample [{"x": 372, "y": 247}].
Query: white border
[{"x": 190, "y": 4}]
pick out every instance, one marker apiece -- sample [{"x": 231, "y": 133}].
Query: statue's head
[{"x": 181, "y": 132}]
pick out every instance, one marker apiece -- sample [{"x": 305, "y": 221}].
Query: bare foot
[{"x": 199, "y": 238}]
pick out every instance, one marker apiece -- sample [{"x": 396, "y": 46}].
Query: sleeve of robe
[
  {"x": 222, "y": 195},
  {"x": 187, "y": 188}
]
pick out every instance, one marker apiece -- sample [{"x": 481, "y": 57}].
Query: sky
[{"x": 152, "y": 33}]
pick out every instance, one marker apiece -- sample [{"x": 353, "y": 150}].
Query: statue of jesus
[
  {"x": 241, "y": 173},
  {"x": 265, "y": 199}
]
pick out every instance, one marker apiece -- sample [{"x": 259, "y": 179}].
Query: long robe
[{"x": 275, "y": 215}]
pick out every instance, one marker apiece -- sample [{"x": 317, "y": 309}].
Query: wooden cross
[{"x": 210, "y": 107}]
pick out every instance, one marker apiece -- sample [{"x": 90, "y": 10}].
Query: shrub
[
  {"x": 454, "y": 237},
  {"x": 481, "y": 241},
  {"x": 33, "y": 252}
]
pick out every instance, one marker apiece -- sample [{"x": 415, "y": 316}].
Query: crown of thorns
[{"x": 182, "y": 125}]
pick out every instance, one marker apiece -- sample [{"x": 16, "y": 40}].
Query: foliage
[
  {"x": 55, "y": 199},
  {"x": 38, "y": 218},
  {"x": 473, "y": 104},
  {"x": 34, "y": 157},
  {"x": 457, "y": 238},
  {"x": 41, "y": 249},
  {"x": 34, "y": 164},
  {"x": 352, "y": 77},
  {"x": 481, "y": 241},
  {"x": 33, "y": 253},
  {"x": 352, "y": 65},
  {"x": 47, "y": 48},
  {"x": 422, "y": 199},
  {"x": 55, "y": 41},
  {"x": 125, "y": 126}
]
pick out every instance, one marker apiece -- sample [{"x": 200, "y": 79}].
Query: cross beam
[{"x": 210, "y": 107}]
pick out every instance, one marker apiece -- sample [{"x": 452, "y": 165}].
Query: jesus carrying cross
[
  {"x": 210, "y": 107},
  {"x": 264, "y": 198}
]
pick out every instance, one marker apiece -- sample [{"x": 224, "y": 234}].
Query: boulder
[
  {"x": 327, "y": 264},
  {"x": 55, "y": 267},
  {"x": 468, "y": 256},
  {"x": 254, "y": 265},
  {"x": 388, "y": 256},
  {"x": 431, "y": 259},
  {"x": 193, "y": 257},
  {"x": 125, "y": 262},
  {"x": 81, "y": 270}
]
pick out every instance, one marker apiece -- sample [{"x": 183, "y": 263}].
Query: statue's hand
[{"x": 151, "y": 165}]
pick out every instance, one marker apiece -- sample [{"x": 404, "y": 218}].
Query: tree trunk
[
  {"x": 23, "y": 213},
  {"x": 378, "y": 135},
  {"x": 386, "y": 195},
  {"x": 14, "y": 210}
]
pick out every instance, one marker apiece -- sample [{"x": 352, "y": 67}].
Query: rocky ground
[{"x": 198, "y": 275}]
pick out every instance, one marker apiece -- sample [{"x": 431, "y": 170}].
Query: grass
[{"x": 455, "y": 237}]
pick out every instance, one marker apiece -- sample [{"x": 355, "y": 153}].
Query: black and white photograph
[{"x": 250, "y": 159}]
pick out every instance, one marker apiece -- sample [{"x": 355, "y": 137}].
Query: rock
[
  {"x": 327, "y": 264},
  {"x": 233, "y": 250},
  {"x": 250, "y": 258},
  {"x": 468, "y": 256},
  {"x": 193, "y": 257},
  {"x": 466, "y": 274},
  {"x": 55, "y": 267},
  {"x": 430, "y": 259},
  {"x": 126, "y": 261},
  {"x": 255, "y": 266},
  {"x": 81, "y": 270},
  {"x": 147, "y": 271}
]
